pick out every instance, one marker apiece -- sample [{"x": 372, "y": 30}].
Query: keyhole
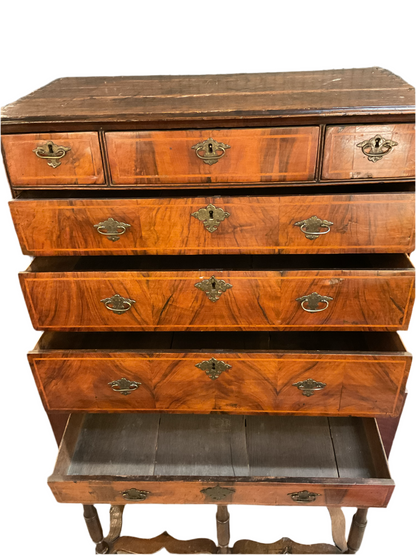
[
  {"x": 213, "y": 367},
  {"x": 211, "y": 214},
  {"x": 50, "y": 148},
  {"x": 377, "y": 142},
  {"x": 213, "y": 284},
  {"x": 210, "y": 147}
]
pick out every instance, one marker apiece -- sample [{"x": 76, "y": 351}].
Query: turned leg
[
  {"x": 93, "y": 523},
  {"x": 223, "y": 528},
  {"x": 359, "y": 522}
]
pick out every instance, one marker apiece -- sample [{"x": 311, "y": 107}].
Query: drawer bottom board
[{"x": 258, "y": 460}]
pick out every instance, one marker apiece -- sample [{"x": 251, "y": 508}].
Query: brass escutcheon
[
  {"x": 134, "y": 494},
  {"x": 376, "y": 147},
  {"x": 311, "y": 227},
  {"x": 304, "y": 496},
  {"x": 124, "y": 386},
  {"x": 112, "y": 229},
  {"x": 217, "y": 493},
  {"x": 213, "y": 368},
  {"x": 51, "y": 152},
  {"x": 213, "y": 287},
  {"x": 210, "y": 147},
  {"x": 211, "y": 216},
  {"x": 309, "y": 386},
  {"x": 118, "y": 304},
  {"x": 313, "y": 300}
]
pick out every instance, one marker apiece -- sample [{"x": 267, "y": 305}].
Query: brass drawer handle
[
  {"x": 51, "y": 152},
  {"x": 134, "y": 494},
  {"x": 213, "y": 287},
  {"x": 312, "y": 225},
  {"x": 213, "y": 368},
  {"x": 304, "y": 496},
  {"x": 118, "y": 304},
  {"x": 210, "y": 147},
  {"x": 211, "y": 216},
  {"x": 313, "y": 300},
  {"x": 309, "y": 386},
  {"x": 376, "y": 147},
  {"x": 112, "y": 229},
  {"x": 124, "y": 386}
]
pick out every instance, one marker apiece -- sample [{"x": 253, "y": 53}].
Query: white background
[{"x": 41, "y": 41}]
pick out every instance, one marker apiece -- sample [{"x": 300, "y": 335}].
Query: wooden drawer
[
  {"x": 382, "y": 222},
  {"x": 352, "y": 292},
  {"x": 79, "y": 165},
  {"x": 247, "y": 155},
  {"x": 344, "y": 157},
  {"x": 121, "y": 459},
  {"x": 349, "y": 374}
]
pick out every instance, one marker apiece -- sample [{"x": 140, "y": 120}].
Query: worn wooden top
[{"x": 215, "y": 97}]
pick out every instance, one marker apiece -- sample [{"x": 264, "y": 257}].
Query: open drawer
[{"x": 256, "y": 460}]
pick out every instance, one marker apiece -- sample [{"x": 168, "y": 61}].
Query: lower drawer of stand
[
  {"x": 256, "y": 460},
  {"x": 313, "y": 373}
]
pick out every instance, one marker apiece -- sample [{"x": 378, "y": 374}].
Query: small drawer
[
  {"x": 198, "y": 459},
  {"x": 292, "y": 372},
  {"x": 369, "y": 151},
  {"x": 382, "y": 222},
  {"x": 51, "y": 159},
  {"x": 294, "y": 292},
  {"x": 213, "y": 156}
]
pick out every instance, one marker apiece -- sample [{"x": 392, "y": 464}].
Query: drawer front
[
  {"x": 213, "y": 155},
  {"x": 263, "y": 225},
  {"x": 369, "y": 151},
  {"x": 60, "y": 159},
  {"x": 190, "y": 301},
  {"x": 307, "y": 384}
]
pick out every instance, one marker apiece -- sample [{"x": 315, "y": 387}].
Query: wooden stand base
[{"x": 113, "y": 543}]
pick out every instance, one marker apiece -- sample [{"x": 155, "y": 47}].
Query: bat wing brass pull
[
  {"x": 52, "y": 153},
  {"x": 207, "y": 151},
  {"x": 211, "y": 216},
  {"x": 376, "y": 147},
  {"x": 112, "y": 229},
  {"x": 124, "y": 386},
  {"x": 118, "y": 304},
  {"x": 312, "y": 226},
  {"x": 134, "y": 494},
  {"x": 213, "y": 368},
  {"x": 213, "y": 287},
  {"x": 309, "y": 386},
  {"x": 304, "y": 496},
  {"x": 312, "y": 301}
]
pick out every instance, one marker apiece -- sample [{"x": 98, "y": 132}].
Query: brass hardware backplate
[
  {"x": 304, "y": 496},
  {"x": 309, "y": 386},
  {"x": 312, "y": 226},
  {"x": 211, "y": 216},
  {"x": 51, "y": 152},
  {"x": 213, "y": 368},
  {"x": 112, "y": 229},
  {"x": 312, "y": 301},
  {"x": 134, "y": 494},
  {"x": 376, "y": 147},
  {"x": 124, "y": 386},
  {"x": 118, "y": 304},
  {"x": 217, "y": 493},
  {"x": 213, "y": 287},
  {"x": 210, "y": 147}
]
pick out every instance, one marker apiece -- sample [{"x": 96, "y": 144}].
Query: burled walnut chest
[{"x": 221, "y": 267}]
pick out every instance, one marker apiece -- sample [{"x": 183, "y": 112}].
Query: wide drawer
[
  {"x": 295, "y": 292},
  {"x": 213, "y": 155},
  {"x": 369, "y": 151},
  {"x": 381, "y": 222},
  {"x": 255, "y": 460},
  {"x": 290, "y": 372},
  {"x": 39, "y": 159}
]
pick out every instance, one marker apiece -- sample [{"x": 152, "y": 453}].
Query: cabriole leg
[{"x": 223, "y": 528}]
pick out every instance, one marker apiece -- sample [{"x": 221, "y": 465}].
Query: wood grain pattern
[
  {"x": 382, "y": 222},
  {"x": 258, "y": 300},
  {"x": 256, "y": 155},
  {"x": 260, "y": 486},
  {"x": 356, "y": 384},
  {"x": 81, "y": 165},
  {"x": 344, "y": 160}
]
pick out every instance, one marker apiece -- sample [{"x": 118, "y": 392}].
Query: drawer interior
[{"x": 162, "y": 447}]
